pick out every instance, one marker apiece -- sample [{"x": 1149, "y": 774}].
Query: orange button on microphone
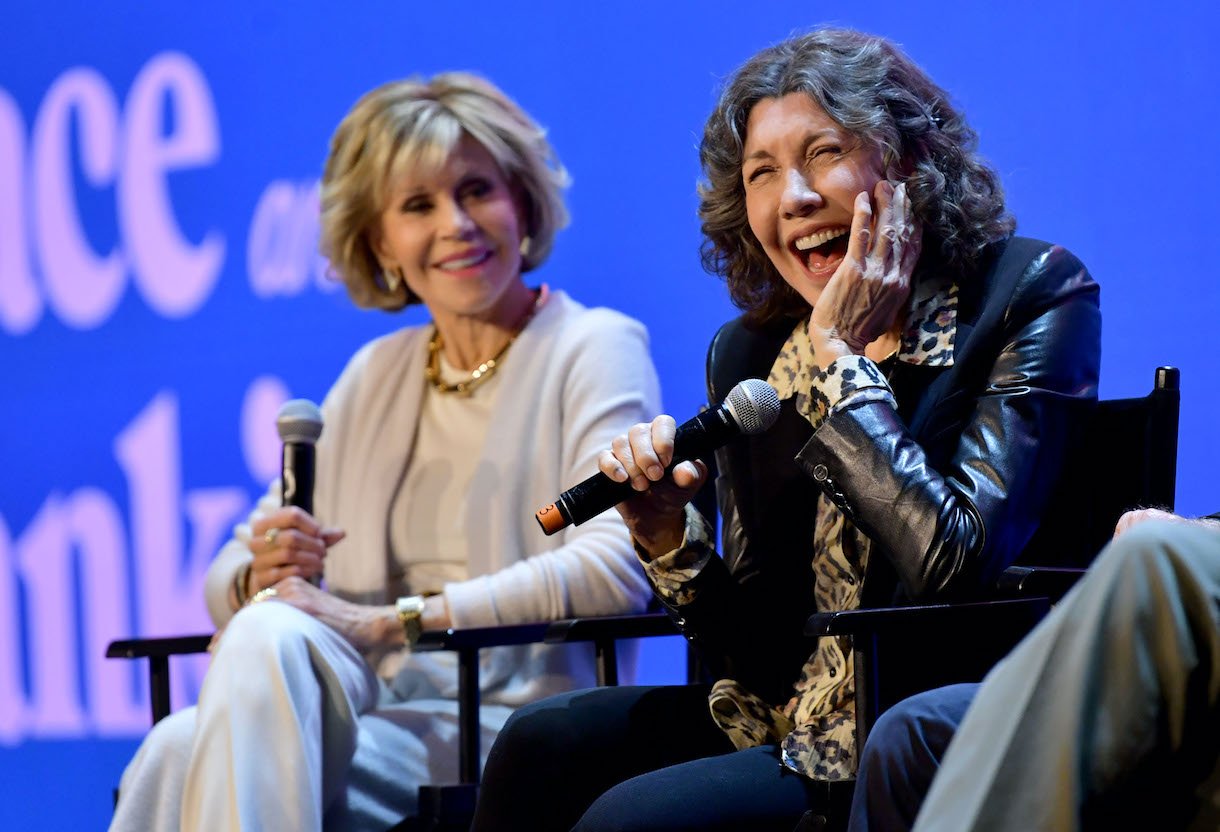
[{"x": 551, "y": 519}]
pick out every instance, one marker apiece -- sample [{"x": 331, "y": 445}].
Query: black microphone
[
  {"x": 299, "y": 423},
  {"x": 750, "y": 408}
]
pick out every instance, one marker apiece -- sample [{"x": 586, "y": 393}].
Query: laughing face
[
  {"x": 802, "y": 172},
  {"x": 456, "y": 235}
]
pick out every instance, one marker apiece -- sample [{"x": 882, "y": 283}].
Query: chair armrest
[
  {"x": 591, "y": 628},
  {"x": 476, "y": 638},
  {"x": 882, "y": 620},
  {"x": 605, "y": 631},
  {"x": 614, "y": 627},
  {"x": 1026, "y": 581},
  {"x": 158, "y": 651},
  {"x": 152, "y": 648}
]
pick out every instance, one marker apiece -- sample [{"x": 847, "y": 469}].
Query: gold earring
[
  {"x": 524, "y": 248},
  {"x": 392, "y": 278}
]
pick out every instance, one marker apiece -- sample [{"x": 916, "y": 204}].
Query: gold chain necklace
[{"x": 481, "y": 373}]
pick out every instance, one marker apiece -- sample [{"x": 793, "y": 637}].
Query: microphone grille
[
  {"x": 299, "y": 420},
  {"x": 754, "y": 405}
]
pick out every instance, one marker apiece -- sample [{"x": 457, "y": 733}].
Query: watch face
[
  {"x": 410, "y": 611},
  {"x": 413, "y": 606}
]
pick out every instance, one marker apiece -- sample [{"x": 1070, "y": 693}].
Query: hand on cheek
[{"x": 869, "y": 291}]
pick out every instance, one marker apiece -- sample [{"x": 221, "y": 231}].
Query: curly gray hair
[{"x": 873, "y": 90}]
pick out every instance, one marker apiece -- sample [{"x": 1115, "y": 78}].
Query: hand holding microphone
[
  {"x": 657, "y": 485},
  {"x": 289, "y": 541},
  {"x": 653, "y": 471}
]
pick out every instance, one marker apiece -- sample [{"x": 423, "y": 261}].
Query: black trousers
[{"x": 633, "y": 759}]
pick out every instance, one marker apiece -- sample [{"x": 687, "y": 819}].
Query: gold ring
[
  {"x": 263, "y": 594},
  {"x": 270, "y": 536}
]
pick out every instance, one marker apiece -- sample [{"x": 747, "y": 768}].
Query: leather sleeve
[{"x": 950, "y": 529}]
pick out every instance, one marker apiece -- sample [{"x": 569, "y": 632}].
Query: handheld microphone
[
  {"x": 299, "y": 423},
  {"x": 750, "y": 408}
]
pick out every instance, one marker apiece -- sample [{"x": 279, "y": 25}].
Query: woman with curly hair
[{"x": 932, "y": 370}]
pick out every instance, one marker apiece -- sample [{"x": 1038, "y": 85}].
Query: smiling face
[
  {"x": 456, "y": 236},
  {"x": 802, "y": 172}
]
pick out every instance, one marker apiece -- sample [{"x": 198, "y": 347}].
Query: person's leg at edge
[
  {"x": 1115, "y": 690},
  {"x": 276, "y": 726},
  {"x": 902, "y": 755},
  {"x": 557, "y": 756}
]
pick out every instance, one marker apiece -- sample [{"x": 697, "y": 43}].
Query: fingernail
[{"x": 655, "y": 472}]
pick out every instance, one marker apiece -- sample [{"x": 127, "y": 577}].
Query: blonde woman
[{"x": 440, "y": 441}]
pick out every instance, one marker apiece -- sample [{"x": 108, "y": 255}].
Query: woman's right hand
[
  {"x": 288, "y": 541},
  {"x": 655, "y": 517}
]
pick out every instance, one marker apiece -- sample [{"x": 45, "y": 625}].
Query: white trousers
[
  {"x": 293, "y": 731},
  {"x": 1108, "y": 714}
]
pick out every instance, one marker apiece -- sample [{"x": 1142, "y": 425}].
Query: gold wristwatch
[{"x": 410, "y": 615}]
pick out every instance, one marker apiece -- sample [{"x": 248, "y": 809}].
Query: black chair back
[{"x": 1126, "y": 458}]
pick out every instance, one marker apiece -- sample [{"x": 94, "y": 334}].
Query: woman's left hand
[
  {"x": 869, "y": 290},
  {"x": 364, "y": 626}
]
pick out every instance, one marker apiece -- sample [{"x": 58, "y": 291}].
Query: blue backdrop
[{"x": 160, "y": 294}]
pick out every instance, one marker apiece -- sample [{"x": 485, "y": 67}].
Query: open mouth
[{"x": 823, "y": 250}]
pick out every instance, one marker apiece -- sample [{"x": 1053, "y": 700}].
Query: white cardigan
[{"x": 574, "y": 379}]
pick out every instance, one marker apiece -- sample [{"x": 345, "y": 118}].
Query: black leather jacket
[{"x": 949, "y": 488}]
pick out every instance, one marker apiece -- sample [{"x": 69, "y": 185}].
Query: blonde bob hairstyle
[{"x": 411, "y": 127}]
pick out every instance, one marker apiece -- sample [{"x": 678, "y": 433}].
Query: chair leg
[
  {"x": 468, "y": 715},
  {"x": 450, "y": 808},
  {"x": 607, "y": 662},
  {"x": 834, "y": 799},
  {"x": 158, "y": 687},
  {"x": 443, "y": 809},
  {"x": 864, "y": 652}
]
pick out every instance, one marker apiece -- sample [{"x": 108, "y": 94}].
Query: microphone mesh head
[
  {"x": 754, "y": 405},
  {"x": 299, "y": 420}
]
